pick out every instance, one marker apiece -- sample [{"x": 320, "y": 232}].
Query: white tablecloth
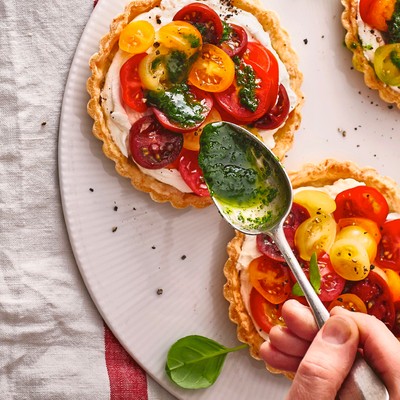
[{"x": 53, "y": 343}]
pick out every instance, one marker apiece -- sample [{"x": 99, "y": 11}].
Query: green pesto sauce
[
  {"x": 246, "y": 81},
  {"x": 234, "y": 169},
  {"x": 395, "y": 58},
  {"x": 178, "y": 104},
  {"x": 394, "y": 25}
]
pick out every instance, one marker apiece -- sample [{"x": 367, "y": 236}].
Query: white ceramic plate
[{"x": 182, "y": 251}]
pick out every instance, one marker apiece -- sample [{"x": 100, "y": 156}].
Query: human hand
[{"x": 322, "y": 359}]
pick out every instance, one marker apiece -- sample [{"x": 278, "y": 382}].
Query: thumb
[{"x": 327, "y": 361}]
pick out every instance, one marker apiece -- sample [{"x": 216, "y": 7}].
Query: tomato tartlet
[
  {"x": 168, "y": 68},
  {"x": 344, "y": 229},
  {"x": 373, "y": 35}
]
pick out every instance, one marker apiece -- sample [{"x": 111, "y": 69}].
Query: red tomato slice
[
  {"x": 265, "y": 314},
  {"x": 236, "y": 44},
  {"x": 361, "y": 201},
  {"x": 191, "y": 172},
  {"x": 267, "y": 246},
  {"x": 131, "y": 86},
  {"x": 332, "y": 284},
  {"x": 270, "y": 278},
  {"x": 205, "y": 19},
  {"x": 275, "y": 117},
  {"x": 230, "y": 102},
  {"x": 199, "y": 96},
  {"x": 375, "y": 293},
  {"x": 151, "y": 145},
  {"x": 257, "y": 53},
  {"x": 377, "y": 12},
  {"x": 389, "y": 246}
]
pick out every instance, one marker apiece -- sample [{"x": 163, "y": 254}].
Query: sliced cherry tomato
[
  {"x": 350, "y": 302},
  {"x": 153, "y": 72},
  {"x": 315, "y": 235},
  {"x": 271, "y": 279},
  {"x": 131, "y": 85},
  {"x": 191, "y": 172},
  {"x": 375, "y": 293},
  {"x": 376, "y": 12},
  {"x": 268, "y": 247},
  {"x": 389, "y": 246},
  {"x": 315, "y": 201},
  {"x": 393, "y": 281},
  {"x": 370, "y": 226},
  {"x": 236, "y": 43},
  {"x": 180, "y": 36},
  {"x": 137, "y": 37},
  {"x": 191, "y": 139},
  {"x": 257, "y": 53},
  {"x": 361, "y": 201},
  {"x": 194, "y": 96},
  {"x": 361, "y": 236},
  {"x": 265, "y": 314},
  {"x": 230, "y": 99},
  {"x": 277, "y": 115},
  {"x": 151, "y": 145},
  {"x": 204, "y": 18},
  {"x": 332, "y": 284},
  {"x": 213, "y": 71},
  {"x": 387, "y": 70},
  {"x": 350, "y": 259}
]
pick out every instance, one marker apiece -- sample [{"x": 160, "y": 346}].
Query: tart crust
[
  {"x": 317, "y": 175},
  {"x": 352, "y": 40},
  {"x": 100, "y": 63}
]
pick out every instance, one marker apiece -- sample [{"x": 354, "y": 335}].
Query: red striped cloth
[{"x": 127, "y": 379}]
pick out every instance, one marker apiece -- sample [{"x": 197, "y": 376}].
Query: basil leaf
[
  {"x": 296, "y": 290},
  {"x": 315, "y": 278},
  {"x": 195, "y": 362}
]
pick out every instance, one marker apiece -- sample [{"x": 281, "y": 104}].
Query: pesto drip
[
  {"x": 246, "y": 81},
  {"x": 178, "y": 104}
]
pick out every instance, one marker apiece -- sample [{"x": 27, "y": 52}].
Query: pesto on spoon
[{"x": 253, "y": 193}]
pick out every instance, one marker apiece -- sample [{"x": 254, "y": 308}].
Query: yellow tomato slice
[
  {"x": 350, "y": 259},
  {"x": 153, "y": 72},
  {"x": 387, "y": 63},
  {"x": 191, "y": 140},
  {"x": 370, "y": 226},
  {"x": 180, "y": 36},
  {"x": 315, "y": 235},
  {"x": 315, "y": 201},
  {"x": 362, "y": 236},
  {"x": 393, "y": 280},
  {"x": 350, "y": 302},
  {"x": 213, "y": 71},
  {"x": 137, "y": 37}
]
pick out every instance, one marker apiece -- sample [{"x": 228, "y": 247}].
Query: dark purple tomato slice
[
  {"x": 236, "y": 43},
  {"x": 274, "y": 118},
  {"x": 267, "y": 246},
  {"x": 151, "y": 145}
]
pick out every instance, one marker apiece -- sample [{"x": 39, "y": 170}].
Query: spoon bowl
[{"x": 253, "y": 193}]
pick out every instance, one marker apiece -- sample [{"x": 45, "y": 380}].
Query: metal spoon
[{"x": 268, "y": 217}]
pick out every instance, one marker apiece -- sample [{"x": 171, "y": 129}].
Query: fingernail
[{"x": 336, "y": 331}]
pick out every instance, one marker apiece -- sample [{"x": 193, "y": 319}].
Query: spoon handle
[{"x": 361, "y": 383}]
